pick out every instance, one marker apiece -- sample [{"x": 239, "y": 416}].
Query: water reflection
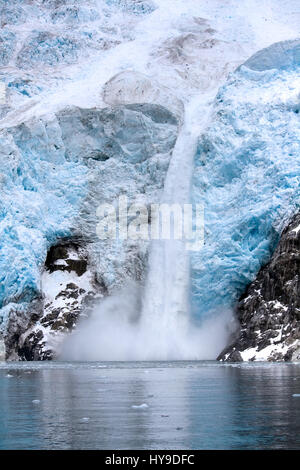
[{"x": 190, "y": 406}]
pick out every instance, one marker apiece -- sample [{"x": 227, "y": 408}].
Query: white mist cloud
[{"x": 115, "y": 332}]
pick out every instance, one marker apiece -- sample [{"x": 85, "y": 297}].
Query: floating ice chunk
[
  {"x": 36, "y": 402},
  {"x": 9, "y": 375},
  {"x": 296, "y": 395},
  {"x": 143, "y": 406},
  {"x": 85, "y": 419}
]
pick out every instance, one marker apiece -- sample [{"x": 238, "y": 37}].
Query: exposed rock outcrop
[
  {"x": 269, "y": 311},
  {"x": 68, "y": 289},
  {"x": 281, "y": 55}
]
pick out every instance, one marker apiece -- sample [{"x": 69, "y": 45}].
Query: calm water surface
[{"x": 195, "y": 405}]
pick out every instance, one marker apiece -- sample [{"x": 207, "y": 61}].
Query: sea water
[{"x": 144, "y": 405}]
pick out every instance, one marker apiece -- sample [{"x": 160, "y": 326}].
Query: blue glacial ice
[
  {"x": 46, "y": 48},
  {"x": 11, "y": 13},
  {"x": 56, "y": 171},
  {"x": 36, "y": 208},
  {"x": 45, "y": 44},
  {"x": 137, "y": 7},
  {"x": 74, "y": 14},
  {"x": 7, "y": 45},
  {"x": 247, "y": 173}
]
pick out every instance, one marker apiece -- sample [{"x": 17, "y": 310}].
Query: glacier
[
  {"x": 106, "y": 97},
  {"x": 54, "y": 185},
  {"x": 247, "y": 173}
]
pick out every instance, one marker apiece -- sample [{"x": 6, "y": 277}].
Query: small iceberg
[
  {"x": 36, "y": 402},
  {"x": 296, "y": 395},
  {"x": 143, "y": 406}
]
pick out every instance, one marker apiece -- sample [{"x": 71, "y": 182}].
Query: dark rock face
[
  {"x": 69, "y": 292},
  {"x": 269, "y": 310},
  {"x": 60, "y": 252}
]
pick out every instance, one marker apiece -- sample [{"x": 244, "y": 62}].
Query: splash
[
  {"x": 115, "y": 332},
  {"x": 153, "y": 322}
]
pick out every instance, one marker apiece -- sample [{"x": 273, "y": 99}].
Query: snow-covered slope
[{"x": 96, "y": 94}]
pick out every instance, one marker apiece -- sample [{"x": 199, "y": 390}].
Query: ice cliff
[
  {"x": 96, "y": 94},
  {"x": 247, "y": 172}
]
